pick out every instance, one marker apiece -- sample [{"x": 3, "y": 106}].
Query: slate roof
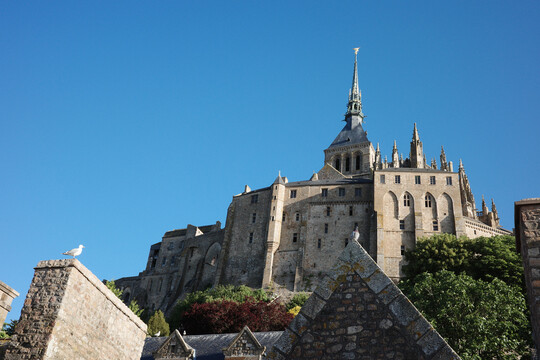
[
  {"x": 207, "y": 347},
  {"x": 350, "y": 135},
  {"x": 343, "y": 181}
]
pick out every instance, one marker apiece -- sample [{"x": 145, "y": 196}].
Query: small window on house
[
  {"x": 474, "y": 232},
  {"x": 337, "y": 164},
  {"x": 254, "y": 218},
  {"x": 402, "y": 224},
  {"x": 397, "y": 179},
  {"x": 448, "y": 180},
  {"x": 348, "y": 164},
  {"x": 341, "y": 191},
  {"x": 417, "y": 180},
  {"x": 164, "y": 262},
  {"x": 432, "y": 180},
  {"x": 328, "y": 211},
  {"x": 428, "y": 200},
  {"x": 254, "y": 199},
  {"x": 406, "y": 200},
  {"x": 382, "y": 179},
  {"x": 295, "y": 237},
  {"x": 402, "y": 250},
  {"x": 357, "y": 192},
  {"x": 319, "y": 243},
  {"x": 326, "y": 228},
  {"x": 250, "y": 237},
  {"x": 350, "y": 211},
  {"x": 324, "y": 192},
  {"x": 283, "y": 217},
  {"x": 293, "y": 194},
  {"x": 358, "y": 162},
  {"x": 346, "y": 242},
  {"x": 297, "y": 216},
  {"x": 435, "y": 225},
  {"x": 272, "y": 217}
]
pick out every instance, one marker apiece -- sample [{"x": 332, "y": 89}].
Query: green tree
[
  {"x": 157, "y": 324},
  {"x": 237, "y": 294},
  {"x": 482, "y": 258},
  {"x": 479, "y": 319},
  {"x": 133, "y": 305},
  {"x": 298, "y": 300},
  {"x": 8, "y": 329}
]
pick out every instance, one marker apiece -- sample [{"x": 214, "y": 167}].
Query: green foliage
[
  {"x": 133, "y": 305},
  {"x": 237, "y": 294},
  {"x": 479, "y": 319},
  {"x": 481, "y": 258},
  {"x": 8, "y": 329},
  {"x": 298, "y": 300},
  {"x": 112, "y": 286},
  {"x": 157, "y": 324}
]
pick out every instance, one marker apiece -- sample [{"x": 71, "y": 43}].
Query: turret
[
  {"x": 395, "y": 156},
  {"x": 467, "y": 198},
  {"x": 378, "y": 160},
  {"x": 444, "y": 163},
  {"x": 416, "y": 156},
  {"x": 485, "y": 210}
]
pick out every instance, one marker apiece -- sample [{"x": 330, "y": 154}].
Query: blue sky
[{"x": 122, "y": 120}]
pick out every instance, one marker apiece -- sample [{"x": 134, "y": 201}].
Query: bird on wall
[
  {"x": 355, "y": 235},
  {"x": 74, "y": 252}
]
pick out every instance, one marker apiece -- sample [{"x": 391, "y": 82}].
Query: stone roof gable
[
  {"x": 329, "y": 173},
  {"x": 357, "y": 312},
  {"x": 174, "y": 348},
  {"x": 245, "y": 346}
]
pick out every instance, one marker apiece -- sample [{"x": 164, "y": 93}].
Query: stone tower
[{"x": 417, "y": 154}]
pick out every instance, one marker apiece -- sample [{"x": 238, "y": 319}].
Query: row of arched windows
[
  {"x": 428, "y": 200},
  {"x": 357, "y": 163}
]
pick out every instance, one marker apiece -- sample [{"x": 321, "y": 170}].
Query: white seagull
[
  {"x": 355, "y": 235},
  {"x": 74, "y": 252}
]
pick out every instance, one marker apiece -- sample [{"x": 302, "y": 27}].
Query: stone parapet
[
  {"x": 527, "y": 230},
  {"x": 7, "y": 294},
  {"x": 70, "y": 314}
]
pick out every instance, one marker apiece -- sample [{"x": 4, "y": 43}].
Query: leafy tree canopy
[
  {"x": 298, "y": 300},
  {"x": 479, "y": 319},
  {"x": 232, "y": 293},
  {"x": 224, "y": 316},
  {"x": 157, "y": 324},
  {"x": 481, "y": 258}
]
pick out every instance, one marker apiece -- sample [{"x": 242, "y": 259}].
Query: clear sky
[{"x": 122, "y": 120}]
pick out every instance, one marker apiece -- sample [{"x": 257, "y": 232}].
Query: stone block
[
  {"x": 418, "y": 327},
  {"x": 378, "y": 281},
  {"x": 446, "y": 353},
  {"x": 312, "y": 306},
  {"x": 403, "y": 310},
  {"x": 286, "y": 341},
  {"x": 389, "y": 293},
  {"x": 299, "y": 324},
  {"x": 431, "y": 342}
]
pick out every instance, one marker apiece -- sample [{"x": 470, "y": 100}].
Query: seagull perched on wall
[
  {"x": 355, "y": 235},
  {"x": 74, "y": 252}
]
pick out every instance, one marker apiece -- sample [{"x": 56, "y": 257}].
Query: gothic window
[
  {"x": 319, "y": 243},
  {"x": 283, "y": 217},
  {"x": 435, "y": 225},
  {"x": 402, "y": 224},
  {"x": 417, "y": 180},
  {"x": 429, "y": 200},
  {"x": 397, "y": 179},
  {"x": 328, "y": 211},
  {"x": 406, "y": 200},
  {"x": 250, "y": 237},
  {"x": 358, "y": 192},
  {"x": 358, "y": 162},
  {"x": 346, "y": 242},
  {"x": 350, "y": 211},
  {"x": 448, "y": 180},
  {"x": 293, "y": 194},
  {"x": 326, "y": 228},
  {"x": 254, "y": 199},
  {"x": 295, "y": 237},
  {"x": 432, "y": 180},
  {"x": 297, "y": 216},
  {"x": 382, "y": 179},
  {"x": 324, "y": 192},
  {"x": 348, "y": 164},
  {"x": 337, "y": 164},
  {"x": 254, "y": 218},
  {"x": 341, "y": 191}
]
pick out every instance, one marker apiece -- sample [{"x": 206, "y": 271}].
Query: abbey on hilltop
[{"x": 286, "y": 235}]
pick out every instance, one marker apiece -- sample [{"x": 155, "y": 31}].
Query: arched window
[
  {"x": 429, "y": 200},
  {"x": 358, "y": 162},
  {"x": 347, "y": 164},
  {"x": 337, "y": 164},
  {"x": 406, "y": 200}
]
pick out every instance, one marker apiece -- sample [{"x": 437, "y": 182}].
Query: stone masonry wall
[
  {"x": 70, "y": 314},
  {"x": 527, "y": 222}
]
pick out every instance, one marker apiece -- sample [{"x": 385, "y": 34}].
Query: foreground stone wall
[
  {"x": 70, "y": 314},
  {"x": 7, "y": 294},
  {"x": 527, "y": 223}
]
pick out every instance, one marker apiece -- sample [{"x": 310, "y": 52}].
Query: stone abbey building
[{"x": 286, "y": 235}]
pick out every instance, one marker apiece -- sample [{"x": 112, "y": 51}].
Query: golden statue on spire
[{"x": 356, "y": 50}]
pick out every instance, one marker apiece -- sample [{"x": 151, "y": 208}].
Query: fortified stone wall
[
  {"x": 70, "y": 314},
  {"x": 7, "y": 294},
  {"x": 527, "y": 223}
]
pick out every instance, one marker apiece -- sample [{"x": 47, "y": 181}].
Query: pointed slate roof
[
  {"x": 352, "y": 133},
  {"x": 245, "y": 343},
  {"x": 357, "y": 312},
  {"x": 174, "y": 347}
]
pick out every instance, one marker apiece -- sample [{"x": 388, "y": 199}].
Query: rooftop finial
[
  {"x": 355, "y": 98},
  {"x": 415, "y": 137}
]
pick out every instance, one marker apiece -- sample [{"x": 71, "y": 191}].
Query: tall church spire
[
  {"x": 354, "y": 107},
  {"x": 418, "y": 159}
]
